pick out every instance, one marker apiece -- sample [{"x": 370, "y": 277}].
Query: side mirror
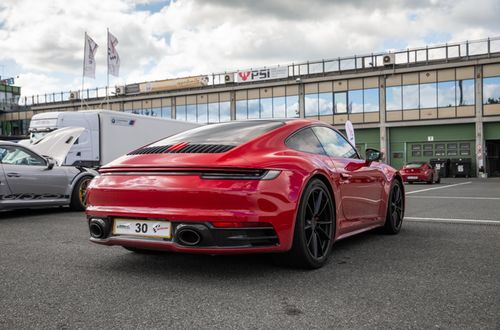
[
  {"x": 50, "y": 163},
  {"x": 373, "y": 155}
]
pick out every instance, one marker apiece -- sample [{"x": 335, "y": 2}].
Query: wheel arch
[{"x": 320, "y": 176}]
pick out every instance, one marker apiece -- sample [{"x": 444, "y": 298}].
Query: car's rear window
[
  {"x": 414, "y": 165},
  {"x": 232, "y": 133}
]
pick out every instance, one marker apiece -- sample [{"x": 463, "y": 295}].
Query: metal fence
[{"x": 423, "y": 55}]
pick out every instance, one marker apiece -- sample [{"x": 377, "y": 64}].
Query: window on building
[
  {"x": 253, "y": 109},
  {"x": 446, "y": 94},
  {"x": 213, "y": 112},
  {"x": 279, "y": 107},
  {"x": 166, "y": 112},
  {"x": 241, "y": 109},
  {"x": 491, "y": 90},
  {"x": 410, "y": 97},
  {"x": 225, "y": 111},
  {"x": 202, "y": 113},
  {"x": 465, "y": 92},
  {"x": 292, "y": 106},
  {"x": 371, "y": 100},
  {"x": 340, "y": 99},
  {"x": 311, "y": 105},
  {"x": 191, "y": 113},
  {"x": 393, "y": 98},
  {"x": 180, "y": 112},
  {"x": 156, "y": 112},
  {"x": 325, "y": 104},
  {"x": 266, "y": 107},
  {"x": 428, "y": 95},
  {"x": 355, "y": 98}
]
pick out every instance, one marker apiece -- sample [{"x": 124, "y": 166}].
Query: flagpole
[
  {"x": 83, "y": 70},
  {"x": 107, "y": 75}
]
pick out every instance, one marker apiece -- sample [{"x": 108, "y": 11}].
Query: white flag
[
  {"x": 89, "y": 57},
  {"x": 113, "y": 58},
  {"x": 349, "y": 130}
]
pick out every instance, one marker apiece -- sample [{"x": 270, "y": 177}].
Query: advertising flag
[
  {"x": 113, "y": 58},
  {"x": 89, "y": 57},
  {"x": 349, "y": 130}
]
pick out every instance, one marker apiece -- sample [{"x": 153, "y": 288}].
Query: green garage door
[{"x": 423, "y": 143}]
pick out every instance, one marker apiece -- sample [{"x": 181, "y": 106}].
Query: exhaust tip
[
  {"x": 97, "y": 228},
  {"x": 189, "y": 237}
]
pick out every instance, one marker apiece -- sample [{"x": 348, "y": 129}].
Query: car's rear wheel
[
  {"x": 395, "y": 209},
  {"x": 79, "y": 194},
  {"x": 314, "y": 228}
]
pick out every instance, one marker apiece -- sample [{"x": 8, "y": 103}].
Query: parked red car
[
  {"x": 420, "y": 172},
  {"x": 290, "y": 186}
]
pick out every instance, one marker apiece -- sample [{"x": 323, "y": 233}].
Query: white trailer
[{"x": 108, "y": 134}]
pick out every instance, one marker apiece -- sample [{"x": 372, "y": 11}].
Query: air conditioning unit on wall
[
  {"x": 229, "y": 78},
  {"x": 74, "y": 95},
  {"x": 120, "y": 90},
  {"x": 389, "y": 59}
]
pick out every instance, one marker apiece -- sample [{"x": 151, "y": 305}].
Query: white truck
[{"x": 107, "y": 135}]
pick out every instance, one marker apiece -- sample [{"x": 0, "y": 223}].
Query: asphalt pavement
[{"x": 437, "y": 273}]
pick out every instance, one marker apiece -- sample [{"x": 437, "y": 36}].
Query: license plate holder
[{"x": 142, "y": 228}]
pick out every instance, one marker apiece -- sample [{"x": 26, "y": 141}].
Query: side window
[
  {"x": 3, "y": 152},
  {"x": 305, "y": 140},
  {"x": 334, "y": 143},
  {"x": 20, "y": 156}
]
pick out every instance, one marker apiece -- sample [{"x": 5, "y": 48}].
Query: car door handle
[
  {"x": 345, "y": 176},
  {"x": 13, "y": 175}
]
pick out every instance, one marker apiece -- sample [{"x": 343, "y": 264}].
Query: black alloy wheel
[
  {"x": 318, "y": 223},
  {"x": 314, "y": 227},
  {"x": 395, "y": 209}
]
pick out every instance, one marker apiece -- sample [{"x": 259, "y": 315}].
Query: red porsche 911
[
  {"x": 420, "y": 172},
  {"x": 282, "y": 186}
]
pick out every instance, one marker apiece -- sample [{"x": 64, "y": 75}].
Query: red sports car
[
  {"x": 288, "y": 186},
  {"x": 419, "y": 172}
]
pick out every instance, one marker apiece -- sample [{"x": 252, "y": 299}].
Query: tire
[
  {"x": 78, "y": 195},
  {"x": 431, "y": 180},
  {"x": 313, "y": 239},
  {"x": 395, "y": 209}
]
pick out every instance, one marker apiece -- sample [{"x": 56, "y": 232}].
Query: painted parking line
[
  {"x": 435, "y": 188},
  {"x": 451, "y": 220},
  {"x": 458, "y": 197}
]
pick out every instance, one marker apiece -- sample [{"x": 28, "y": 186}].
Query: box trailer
[{"x": 107, "y": 135}]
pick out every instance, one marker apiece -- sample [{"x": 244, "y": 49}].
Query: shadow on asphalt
[
  {"x": 175, "y": 264},
  {"x": 26, "y": 213}
]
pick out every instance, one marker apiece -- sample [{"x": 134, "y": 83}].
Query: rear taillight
[{"x": 241, "y": 175}]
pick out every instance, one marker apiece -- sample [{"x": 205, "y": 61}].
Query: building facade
[{"x": 439, "y": 102}]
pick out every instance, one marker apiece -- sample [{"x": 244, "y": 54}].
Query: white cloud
[{"x": 190, "y": 37}]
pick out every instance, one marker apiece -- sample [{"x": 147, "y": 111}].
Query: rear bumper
[
  {"x": 212, "y": 240},
  {"x": 192, "y": 201},
  {"x": 414, "y": 177}
]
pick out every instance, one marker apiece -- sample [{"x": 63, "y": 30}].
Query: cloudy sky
[{"x": 41, "y": 41}]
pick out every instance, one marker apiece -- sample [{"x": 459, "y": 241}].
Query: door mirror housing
[
  {"x": 50, "y": 163},
  {"x": 373, "y": 155}
]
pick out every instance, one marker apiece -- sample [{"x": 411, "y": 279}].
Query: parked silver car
[{"x": 30, "y": 176}]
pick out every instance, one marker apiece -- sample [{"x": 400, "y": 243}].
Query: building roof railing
[{"x": 400, "y": 58}]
